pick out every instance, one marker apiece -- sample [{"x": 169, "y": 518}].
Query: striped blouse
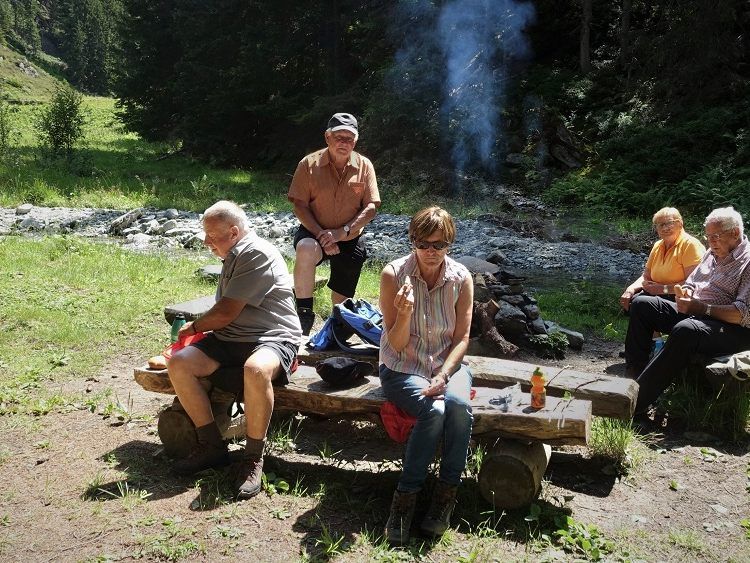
[{"x": 432, "y": 322}]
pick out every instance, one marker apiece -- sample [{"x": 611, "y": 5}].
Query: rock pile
[
  {"x": 487, "y": 238},
  {"x": 506, "y": 317}
]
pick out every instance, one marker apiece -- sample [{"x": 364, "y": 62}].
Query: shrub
[
  {"x": 8, "y": 133},
  {"x": 61, "y": 123}
]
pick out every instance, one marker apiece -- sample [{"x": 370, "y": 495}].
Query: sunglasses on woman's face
[{"x": 424, "y": 245}]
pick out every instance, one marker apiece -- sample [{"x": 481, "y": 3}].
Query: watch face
[{"x": 346, "y": 229}]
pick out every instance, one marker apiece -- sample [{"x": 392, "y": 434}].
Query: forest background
[{"x": 620, "y": 106}]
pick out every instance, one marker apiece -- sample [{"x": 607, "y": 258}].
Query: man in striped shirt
[{"x": 711, "y": 315}]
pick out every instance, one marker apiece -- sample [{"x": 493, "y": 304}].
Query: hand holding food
[{"x": 404, "y": 300}]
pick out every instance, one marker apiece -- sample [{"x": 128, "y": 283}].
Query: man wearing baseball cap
[{"x": 335, "y": 194}]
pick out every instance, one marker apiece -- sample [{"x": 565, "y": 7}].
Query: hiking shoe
[
  {"x": 203, "y": 456},
  {"x": 438, "y": 517},
  {"x": 399, "y": 521},
  {"x": 249, "y": 478},
  {"x": 306, "y": 319}
]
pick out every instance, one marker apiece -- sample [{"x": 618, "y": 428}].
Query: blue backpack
[{"x": 347, "y": 319}]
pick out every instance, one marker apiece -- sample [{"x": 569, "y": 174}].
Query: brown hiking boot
[
  {"x": 249, "y": 478},
  {"x": 249, "y": 470},
  {"x": 399, "y": 522},
  {"x": 210, "y": 451},
  {"x": 438, "y": 517}
]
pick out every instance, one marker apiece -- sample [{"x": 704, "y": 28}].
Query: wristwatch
[
  {"x": 708, "y": 310},
  {"x": 666, "y": 289},
  {"x": 346, "y": 228}
]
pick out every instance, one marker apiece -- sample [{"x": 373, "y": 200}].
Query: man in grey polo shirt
[{"x": 254, "y": 325}]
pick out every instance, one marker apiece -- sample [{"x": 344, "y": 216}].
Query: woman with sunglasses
[
  {"x": 671, "y": 260},
  {"x": 427, "y": 299}
]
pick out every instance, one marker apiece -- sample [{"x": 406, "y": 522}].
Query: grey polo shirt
[{"x": 255, "y": 272}]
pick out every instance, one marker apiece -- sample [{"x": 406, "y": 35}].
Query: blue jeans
[{"x": 449, "y": 418}]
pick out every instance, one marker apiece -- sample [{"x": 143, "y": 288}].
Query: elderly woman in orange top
[{"x": 672, "y": 258}]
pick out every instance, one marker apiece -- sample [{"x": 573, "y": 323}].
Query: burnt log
[{"x": 486, "y": 312}]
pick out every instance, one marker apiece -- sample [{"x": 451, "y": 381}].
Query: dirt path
[{"x": 59, "y": 498}]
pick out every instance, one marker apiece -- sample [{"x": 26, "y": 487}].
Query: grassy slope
[{"x": 113, "y": 168}]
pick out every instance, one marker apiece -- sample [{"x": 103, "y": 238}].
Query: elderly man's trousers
[{"x": 687, "y": 336}]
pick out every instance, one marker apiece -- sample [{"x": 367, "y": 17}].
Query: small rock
[
  {"x": 497, "y": 257},
  {"x": 171, "y": 213},
  {"x": 168, "y": 226},
  {"x": 140, "y": 239},
  {"x": 152, "y": 227},
  {"x": 179, "y": 231},
  {"x": 719, "y": 508},
  {"x": 196, "y": 241},
  {"x": 31, "y": 224},
  {"x": 477, "y": 265},
  {"x": 537, "y": 326},
  {"x": 124, "y": 221},
  {"x": 515, "y": 300},
  {"x": 210, "y": 272},
  {"x": 24, "y": 208},
  {"x": 532, "y": 311}
]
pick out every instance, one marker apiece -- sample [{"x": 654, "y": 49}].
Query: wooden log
[
  {"x": 561, "y": 422},
  {"x": 613, "y": 397},
  {"x": 486, "y": 314},
  {"x": 177, "y": 432},
  {"x": 512, "y": 471}
]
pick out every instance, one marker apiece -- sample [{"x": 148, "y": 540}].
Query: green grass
[
  {"x": 18, "y": 87},
  {"x": 616, "y": 440},
  {"x": 586, "y": 306},
  {"x": 68, "y": 306},
  {"x": 117, "y": 169},
  {"x": 723, "y": 410}
]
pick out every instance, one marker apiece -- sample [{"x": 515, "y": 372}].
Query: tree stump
[
  {"x": 486, "y": 312},
  {"x": 512, "y": 472},
  {"x": 177, "y": 432}
]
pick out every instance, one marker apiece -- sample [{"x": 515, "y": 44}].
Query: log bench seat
[
  {"x": 518, "y": 438},
  {"x": 561, "y": 422},
  {"x": 613, "y": 397}
]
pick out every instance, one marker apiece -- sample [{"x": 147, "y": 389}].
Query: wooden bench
[
  {"x": 613, "y": 397},
  {"x": 518, "y": 439}
]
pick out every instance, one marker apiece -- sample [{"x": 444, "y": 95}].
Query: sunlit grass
[
  {"x": 68, "y": 306},
  {"x": 117, "y": 169},
  {"x": 585, "y": 306}
]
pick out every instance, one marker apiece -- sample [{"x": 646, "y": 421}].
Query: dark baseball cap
[{"x": 343, "y": 121}]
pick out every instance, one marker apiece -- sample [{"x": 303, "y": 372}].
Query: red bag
[
  {"x": 399, "y": 423},
  {"x": 182, "y": 343}
]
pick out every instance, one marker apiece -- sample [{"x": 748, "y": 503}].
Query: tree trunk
[
  {"x": 627, "y": 8},
  {"x": 486, "y": 312},
  {"x": 586, "y": 14}
]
